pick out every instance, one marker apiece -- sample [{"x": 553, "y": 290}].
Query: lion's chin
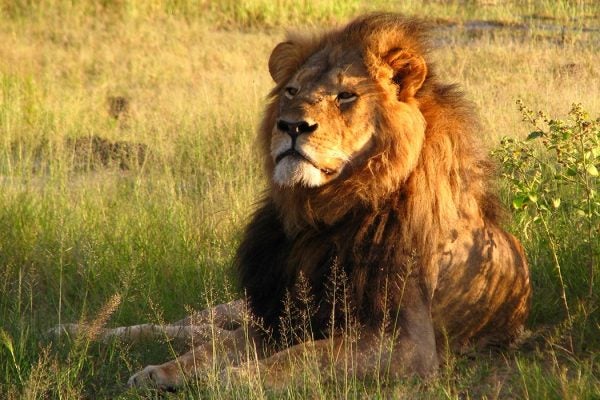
[{"x": 295, "y": 171}]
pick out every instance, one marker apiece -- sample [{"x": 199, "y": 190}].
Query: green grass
[{"x": 161, "y": 236}]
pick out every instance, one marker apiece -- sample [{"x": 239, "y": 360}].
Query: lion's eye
[
  {"x": 290, "y": 92},
  {"x": 346, "y": 97}
]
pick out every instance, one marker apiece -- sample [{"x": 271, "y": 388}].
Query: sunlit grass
[
  {"x": 258, "y": 14},
  {"x": 161, "y": 234}
]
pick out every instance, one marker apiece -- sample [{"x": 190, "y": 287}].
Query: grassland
[{"x": 84, "y": 242}]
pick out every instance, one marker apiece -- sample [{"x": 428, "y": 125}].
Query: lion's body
[
  {"x": 379, "y": 216},
  {"x": 481, "y": 293},
  {"x": 426, "y": 205}
]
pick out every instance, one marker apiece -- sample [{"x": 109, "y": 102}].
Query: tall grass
[{"x": 160, "y": 235}]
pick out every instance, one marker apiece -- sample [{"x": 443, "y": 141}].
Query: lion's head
[
  {"x": 330, "y": 116},
  {"x": 344, "y": 123}
]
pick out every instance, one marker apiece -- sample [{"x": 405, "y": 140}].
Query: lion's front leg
[
  {"x": 200, "y": 326},
  {"x": 403, "y": 346},
  {"x": 230, "y": 348},
  {"x": 326, "y": 360}
]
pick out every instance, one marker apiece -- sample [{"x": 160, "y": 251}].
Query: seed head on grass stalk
[
  {"x": 94, "y": 329},
  {"x": 40, "y": 378}
]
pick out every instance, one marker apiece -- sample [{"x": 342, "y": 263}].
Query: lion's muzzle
[{"x": 294, "y": 130}]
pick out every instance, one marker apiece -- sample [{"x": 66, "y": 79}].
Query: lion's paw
[{"x": 154, "y": 376}]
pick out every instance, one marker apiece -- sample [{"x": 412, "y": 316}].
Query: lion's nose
[{"x": 295, "y": 129}]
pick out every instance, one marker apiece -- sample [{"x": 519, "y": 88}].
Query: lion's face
[
  {"x": 325, "y": 120},
  {"x": 338, "y": 107}
]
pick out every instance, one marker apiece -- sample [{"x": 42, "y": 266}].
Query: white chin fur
[{"x": 294, "y": 171}]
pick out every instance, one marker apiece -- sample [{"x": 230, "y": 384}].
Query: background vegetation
[{"x": 132, "y": 237}]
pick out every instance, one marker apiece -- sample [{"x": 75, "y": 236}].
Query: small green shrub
[{"x": 553, "y": 179}]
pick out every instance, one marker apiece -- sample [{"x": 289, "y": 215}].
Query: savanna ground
[{"x": 116, "y": 237}]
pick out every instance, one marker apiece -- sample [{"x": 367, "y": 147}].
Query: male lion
[{"x": 379, "y": 191}]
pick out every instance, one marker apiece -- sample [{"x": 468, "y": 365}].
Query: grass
[{"x": 160, "y": 236}]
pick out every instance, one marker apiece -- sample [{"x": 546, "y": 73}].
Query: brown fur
[{"x": 386, "y": 201}]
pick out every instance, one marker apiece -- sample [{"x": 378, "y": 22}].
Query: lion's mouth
[{"x": 296, "y": 153}]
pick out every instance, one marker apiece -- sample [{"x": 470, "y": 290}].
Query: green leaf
[
  {"x": 534, "y": 135},
  {"x": 592, "y": 170},
  {"x": 6, "y": 340},
  {"x": 518, "y": 202},
  {"x": 556, "y": 202}
]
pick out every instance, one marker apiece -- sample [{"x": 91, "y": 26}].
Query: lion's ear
[
  {"x": 284, "y": 61},
  {"x": 409, "y": 69}
]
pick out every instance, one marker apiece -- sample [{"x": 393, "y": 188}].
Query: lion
[{"x": 380, "y": 190}]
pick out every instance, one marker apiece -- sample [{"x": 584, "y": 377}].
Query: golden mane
[{"x": 452, "y": 176}]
